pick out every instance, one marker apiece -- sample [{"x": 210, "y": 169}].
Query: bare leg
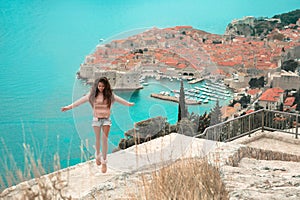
[
  {"x": 106, "y": 130},
  {"x": 98, "y": 143},
  {"x": 105, "y": 146}
]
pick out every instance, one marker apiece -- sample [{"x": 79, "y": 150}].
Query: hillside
[{"x": 260, "y": 27}]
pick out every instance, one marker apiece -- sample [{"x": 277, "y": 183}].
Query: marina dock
[
  {"x": 174, "y": 99},
  {"x": 196, "y": 80}
]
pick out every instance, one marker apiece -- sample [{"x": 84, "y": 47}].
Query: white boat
[{"x": 205, "y": 101}]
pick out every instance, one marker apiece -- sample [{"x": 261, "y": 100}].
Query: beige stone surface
[
  {"x": 247, "y": 166},
  {"x": 265, "y": 179},
  {"x": 261, "y": 179},
  {"x": 276, "y": 145}
]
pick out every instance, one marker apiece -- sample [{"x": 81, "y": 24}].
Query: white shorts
[{"x": 101, "y": 122}]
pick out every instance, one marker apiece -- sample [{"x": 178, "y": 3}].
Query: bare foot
[
  {"x": 104, "y": 165},
  {"x": 104, "y": 168},
  {"x": 98, "y": 159}
]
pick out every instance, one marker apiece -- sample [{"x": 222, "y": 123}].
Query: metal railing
[{"x": 247, "y": 124}]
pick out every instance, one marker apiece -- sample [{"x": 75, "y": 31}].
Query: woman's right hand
[{"x": 66, "y": 108}]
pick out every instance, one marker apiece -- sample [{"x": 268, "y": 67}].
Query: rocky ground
[
  {"x": 262, "y": 179},
  {"x": 125, "y": 186},
  {"x": 251, "y": 179}
]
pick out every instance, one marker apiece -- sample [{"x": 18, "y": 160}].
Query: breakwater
[{"x": 174, "y": 99}]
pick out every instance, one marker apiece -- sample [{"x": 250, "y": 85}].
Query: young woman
[{"x": 101, "y": 99}]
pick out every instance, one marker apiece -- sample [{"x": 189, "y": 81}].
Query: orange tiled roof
[
  {"x": 119, "y": 41},
  {"x": 168, "y": 29},
  {"x": 182, "y": 27},
  {"x": 249, "y": 111},
  {"x": 255, "y": 53},
  {"x": 158, "y": 56},
  {"x": 277, "y": 90},
  {"x": 170, "y": 61},
  {"x": 227, "y": 111},
  {"x": 289, "y": 101},
  {"x": 253, "y": 91},
  {"x": 238, "y": 58},
  {"x": 237, "y": 105},
  {"x": 181, "y": 66},
  {"x": 271, "y": 94}
]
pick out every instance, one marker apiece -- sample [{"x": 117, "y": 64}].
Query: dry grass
[
  {"x": 46, "y": 188},
  {"x": 185, "y": 179},
  {"x": 40, "y": 187},
  {"x": 15, "y": 175}
]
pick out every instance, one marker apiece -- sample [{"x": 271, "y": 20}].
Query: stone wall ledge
[{"x": 260, "y": 154}]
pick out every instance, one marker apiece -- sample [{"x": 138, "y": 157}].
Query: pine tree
[
  {"x": 182, "y": 110},
  {"x": 179, "y": 113},
  {"x": 281, "y": 107},
  {"x": 216, "y": 114},
  {"x": 298, "y": 107},
  {"x": 204, "y": 122},
  {"x": 297, "y": 100},
  {"x": 257, "y": 106}
]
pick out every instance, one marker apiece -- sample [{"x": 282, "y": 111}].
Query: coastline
[{"x": 64, "y": 54}]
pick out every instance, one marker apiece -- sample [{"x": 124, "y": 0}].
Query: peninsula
[
  {"x": 248, "y": 63},
  {"x": 183, "y": 51}
]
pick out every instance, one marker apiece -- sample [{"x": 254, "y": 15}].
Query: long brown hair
[{"x": 107, "y": 92}]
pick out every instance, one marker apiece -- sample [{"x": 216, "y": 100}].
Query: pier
[
  {"x": 174, "y": 99},
  {"x": 196, "y": 80}
]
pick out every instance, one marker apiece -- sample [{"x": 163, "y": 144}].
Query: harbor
[{"x": 196, "y": 94}]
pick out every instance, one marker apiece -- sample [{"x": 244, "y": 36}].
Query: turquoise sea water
[
  {"x": 145, "y": 107},
  {"x": 42, "y": 44}
]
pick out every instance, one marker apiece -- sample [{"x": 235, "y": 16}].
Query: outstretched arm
[
  {"x": 122, "y": 101},
  {"x": 78, "y": 102}
]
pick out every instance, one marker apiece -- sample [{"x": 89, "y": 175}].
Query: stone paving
[
  {"x": 247, "y": 167},
  {"x": 263, "y": 178}
]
